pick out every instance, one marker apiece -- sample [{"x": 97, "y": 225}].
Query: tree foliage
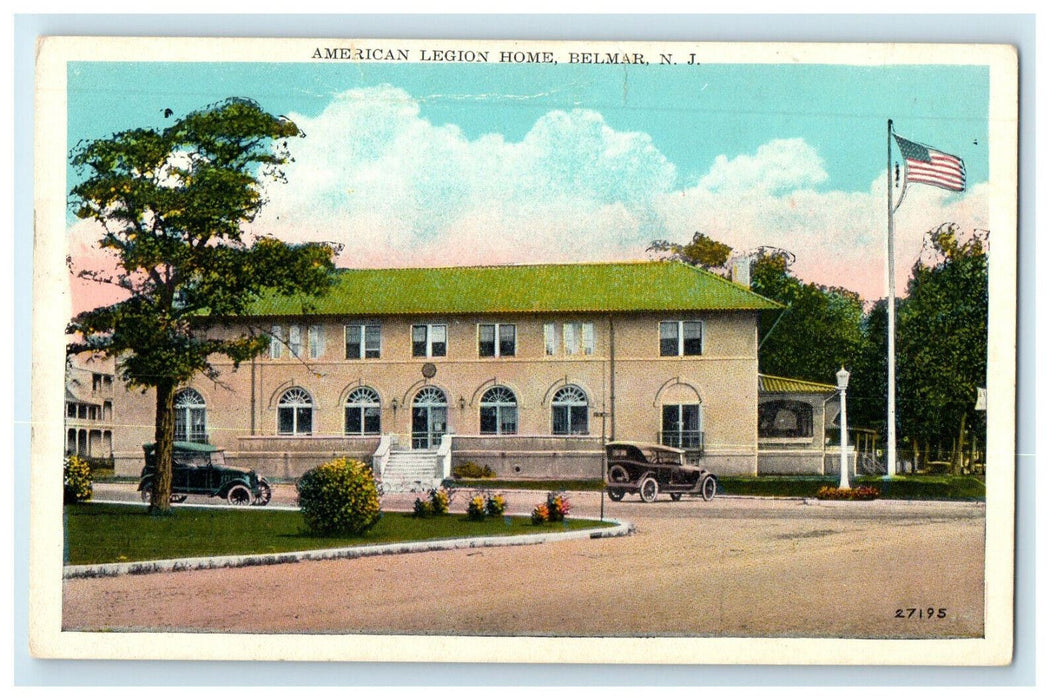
[
  {"x": 941, "y": 340},
  {"x": 173, "y": 204},
  {"x": 701, "y": 251}
]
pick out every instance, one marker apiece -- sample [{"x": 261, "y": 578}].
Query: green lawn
[
  {"x": 101, "y": 533},
  {"x": 915, "y": 487}
]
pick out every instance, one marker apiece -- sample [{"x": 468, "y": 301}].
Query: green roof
[
  {"x": 781, "y": 385},
  {"x": 592, "y": 287}
]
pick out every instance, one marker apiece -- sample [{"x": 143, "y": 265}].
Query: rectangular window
[
  {"x": 571, "y": 338},
  {"x": 589, "y": 338},
  {"x": 363, "y": 341},
  {"x": 429, "y": 341},
  {"x": 549, "y": 334},
  {"x": 681, "y": 425},
  {"x": 496, "y": 339},
  {"x": 71, "y": 410},
  {"x": 315, "y": 341},
  {"x": 275, "y": 350},
  {"x": 295, "y": 341},
  {"x": 682, "y": 338}
]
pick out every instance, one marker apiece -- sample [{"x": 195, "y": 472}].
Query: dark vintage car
[
  {"x": 649, "y": 470},
  {"x": 200, "y": 470}
]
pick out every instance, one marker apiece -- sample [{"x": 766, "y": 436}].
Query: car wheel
[
  {"x": 675, "y": 496},
  {"x": 264, "y": 494},
  {"x": 708, "y": 489},
  {"x": 619, "y": 475},
  {"x": 145, "y": 495},
  {"x": 615, "y": 495},
  {"x": 648, "y": 490},
  {"x": 239, "y": 495},
  {"x": 178, "y": 498}
]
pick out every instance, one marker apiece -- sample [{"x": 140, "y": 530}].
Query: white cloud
[{"x": 397, "y": 190}]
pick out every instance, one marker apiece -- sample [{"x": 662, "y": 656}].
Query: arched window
[
  {"x": 295, "y": 412},
  {"x": 569, "y": 411},
  {"x": 786, "y": 419},
  {"x": 429, "y": 418},
  {"x": 190, "y": 409},
  {"x": 363, "y": 412},
  {"x": 498, "y": 412}
]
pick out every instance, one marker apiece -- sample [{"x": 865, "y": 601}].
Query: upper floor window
[
  {"x": 275, "y": 348},
  {"x": 363, "y": 412},
  {"x": 497, "y": 339},
  {"x": 316, "y": 338},
  {"x": 577, "y": 338},
  {"x": 295, "y": 412},
  {"x": 295, "y": 341},
  {"x": 681, "y": 338},
  {"x": 363, "y": 341},
  {"x": 429, "y": 340}
]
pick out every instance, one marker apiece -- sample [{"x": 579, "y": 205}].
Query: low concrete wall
[
  {"x": 729, "y": 463},
  {"x": 528, "y": 457},
  {"x": 788, "y": 462},
  {"x": 289, "y": 458}
]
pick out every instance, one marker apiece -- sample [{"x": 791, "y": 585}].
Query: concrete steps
[{"x": 410, "y": 471}]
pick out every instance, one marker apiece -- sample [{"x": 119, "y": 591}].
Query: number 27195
[{"x": 922, "y": 613}]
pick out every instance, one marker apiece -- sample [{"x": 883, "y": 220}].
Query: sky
[{"x": 454, "y": 164}]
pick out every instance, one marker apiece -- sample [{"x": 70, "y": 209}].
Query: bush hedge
[
  {"x": 472, "y": 470},
  {"x": 339, "y": 498},
  {"x": 76, "y": 480}
]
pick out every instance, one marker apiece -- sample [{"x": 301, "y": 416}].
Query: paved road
[{"x": 732, "y": 567}]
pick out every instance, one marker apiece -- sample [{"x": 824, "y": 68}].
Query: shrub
[
  {"x": 496, "y": 504},
  {"x": 423, "y": 508},
  {"x": 477, "y": 508},
  {"x": 339, "y": 498},
  {"x": 540, "y": 514},
  {"x": 439, "y": 500},
  {"x": 859, "y": 493},
  {"x": 558, "y": 507},
  {"x": 472, "y": 470},
  {"x": 76, "y": 480}
]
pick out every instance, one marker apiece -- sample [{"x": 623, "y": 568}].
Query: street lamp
[{"x": 842, "y": 384}]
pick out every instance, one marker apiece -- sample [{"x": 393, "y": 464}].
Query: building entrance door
[{"x": 429, "y": 418}]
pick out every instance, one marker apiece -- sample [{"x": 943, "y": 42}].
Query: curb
[
  {"x": 617, "y": 528},
  {"x": 836, "y": 502}
]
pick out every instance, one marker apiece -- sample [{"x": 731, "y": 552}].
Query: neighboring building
[
  {"x": 799, "y": 424},
  {"x": 526, "y": 369},
  {"x": 89, "y": 406}
]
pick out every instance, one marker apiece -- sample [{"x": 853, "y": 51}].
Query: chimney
[{"x": 741, "y": 270}]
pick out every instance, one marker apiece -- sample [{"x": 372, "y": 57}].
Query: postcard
[{"x": 524, "y": 351}]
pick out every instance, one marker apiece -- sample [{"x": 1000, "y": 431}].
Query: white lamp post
[{"x": 842, "y": 384}]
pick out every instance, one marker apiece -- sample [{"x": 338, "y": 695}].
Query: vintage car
[
  {"x": 199, "y": 469},
  {"x": 649, "y": 470}
]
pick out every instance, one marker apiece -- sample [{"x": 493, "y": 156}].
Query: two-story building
[
  {"x": 89, "y": 406},
  {"x": 526, "y": 369}
]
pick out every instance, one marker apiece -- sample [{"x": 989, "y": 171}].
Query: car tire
[
  {"x": 648, "y": 490},
  {"x": 619, "y": 475},
  {"x": 145, "y": 495},
  {"x": 616, "y": 495},
  {"x": 239, "y": 495},
  {"x": 178, "y": 498},
  {"x": 264, "y": 493},
  {"x": 709, "y": 488},
  {"x": 675, "y": 496}
]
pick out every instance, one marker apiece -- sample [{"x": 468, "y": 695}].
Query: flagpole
[{"x": 891, "y": 451}]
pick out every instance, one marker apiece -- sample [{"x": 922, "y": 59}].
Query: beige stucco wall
[{"x": 242, "y": 404}]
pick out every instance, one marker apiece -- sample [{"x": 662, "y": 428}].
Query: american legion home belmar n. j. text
[{"x": 526, "y": 369}]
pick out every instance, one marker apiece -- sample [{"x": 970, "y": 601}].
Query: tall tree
[
  {"x": 818, "y": 332},
  {"x": 941, "y": 342},
  {"x": 173, "y": 203}
]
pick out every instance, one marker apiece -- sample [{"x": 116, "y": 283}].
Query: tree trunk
[
  {"x": 961, "y": 445},
  {"x": 164, "y": 427},
  {"x": 915, "y": 464}
]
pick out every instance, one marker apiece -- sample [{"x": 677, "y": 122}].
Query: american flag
[{"x": 931, "y": 167}]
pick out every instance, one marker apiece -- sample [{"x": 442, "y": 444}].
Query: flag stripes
[{"x": 928, "y": 166}]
